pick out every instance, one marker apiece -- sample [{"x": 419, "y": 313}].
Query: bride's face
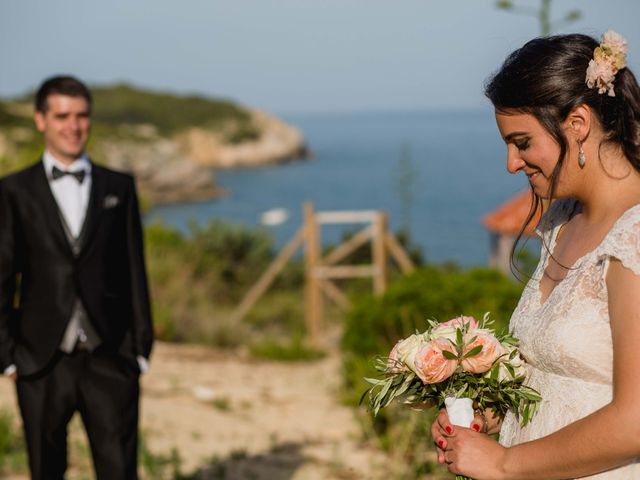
[{"x": 531, "y": 150}]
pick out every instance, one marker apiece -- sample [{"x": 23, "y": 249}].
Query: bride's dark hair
[{"x": 546, "y": 78}]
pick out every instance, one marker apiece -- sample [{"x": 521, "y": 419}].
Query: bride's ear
[{"x": 579, "y": 122}]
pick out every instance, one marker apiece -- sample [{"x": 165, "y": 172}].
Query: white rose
[
  {"x": 444, "y": 331},
  {"x": 404, "y": 353},
  {"x": 517, "y": 363}
]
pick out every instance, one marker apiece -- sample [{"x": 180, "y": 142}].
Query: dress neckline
[{"x": 580, "y": 260}]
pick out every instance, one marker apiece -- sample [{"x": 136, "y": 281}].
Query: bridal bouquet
[{"x": 456, "y": 364}]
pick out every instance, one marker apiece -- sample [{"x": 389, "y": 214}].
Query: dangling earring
[{"x": 582, "y": 159}]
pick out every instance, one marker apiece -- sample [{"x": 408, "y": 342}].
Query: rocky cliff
[{"x": 277, "y": 142}]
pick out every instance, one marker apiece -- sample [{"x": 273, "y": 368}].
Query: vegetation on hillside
[
  {"x": 125, "y": 112},
  {"x": 169, "y": 113}
]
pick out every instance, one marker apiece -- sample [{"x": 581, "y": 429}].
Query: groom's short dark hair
[{"x": 61, "y": 85}]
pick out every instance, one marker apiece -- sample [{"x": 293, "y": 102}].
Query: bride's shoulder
[{"x": 623, "y": 240}]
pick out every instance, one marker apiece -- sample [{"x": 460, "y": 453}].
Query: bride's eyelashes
[{"x": 522, "y": 144}]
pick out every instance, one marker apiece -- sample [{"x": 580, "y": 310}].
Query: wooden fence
[{"x": 321, "y": 272}]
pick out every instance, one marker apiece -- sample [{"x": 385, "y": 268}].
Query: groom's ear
[
  {"x": 578, "y": 122},
  {"x": 38, "y": 118}
]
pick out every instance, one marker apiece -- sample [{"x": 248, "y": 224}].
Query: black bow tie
[{"x": 56, "y": 173}]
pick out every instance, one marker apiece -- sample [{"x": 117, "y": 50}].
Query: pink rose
[
  {"x": 460, "y": 322},
  {"x": 483, "y": 360},
  {"x": 448, "y": 329},
  {"x": 431, "y": 364}
]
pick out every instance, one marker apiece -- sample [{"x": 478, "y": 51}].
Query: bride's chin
[{"x": 542, "y": 192}]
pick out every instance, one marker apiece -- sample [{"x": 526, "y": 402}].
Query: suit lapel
[
  {"x": 42, "y": 191},
  {"x": 94, "y": 208}
]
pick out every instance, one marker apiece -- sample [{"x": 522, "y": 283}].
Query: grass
[
  {"x": 293, "y": 350},
  {"x": 159, "y": 466},
  {"x": 221, "y": 403},
  {"x": 13, "y": 458}
]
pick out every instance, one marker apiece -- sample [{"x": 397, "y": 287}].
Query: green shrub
[
  {"x": 374, "y": 324},
  {"x": 197, "y": 280},
  {"x": 242, "y": 133},
  {"x": 236, "y": 254}
]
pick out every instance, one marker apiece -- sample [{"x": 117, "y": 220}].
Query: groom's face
[{"x": 65, "y": 124}]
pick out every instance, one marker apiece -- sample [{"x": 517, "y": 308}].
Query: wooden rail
[{"x": 320, "y": 272}]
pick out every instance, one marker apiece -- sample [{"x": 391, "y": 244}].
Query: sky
[{"x": 287, "y": 56}]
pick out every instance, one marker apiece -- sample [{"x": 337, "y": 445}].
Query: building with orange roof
[{"x": 504, "y": 224}]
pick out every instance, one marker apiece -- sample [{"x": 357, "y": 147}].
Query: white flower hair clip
[{"x": 608, "y": 59}]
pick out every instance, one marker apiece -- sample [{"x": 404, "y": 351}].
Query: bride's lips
[{"x": 532, "y": 175}]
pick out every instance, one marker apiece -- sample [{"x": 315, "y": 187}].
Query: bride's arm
[{"x": 608, "y": 438}]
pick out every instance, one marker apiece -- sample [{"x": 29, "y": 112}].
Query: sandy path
[{"x": 235, "y": 418}]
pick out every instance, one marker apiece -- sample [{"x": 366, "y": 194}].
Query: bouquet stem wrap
[{"x": 460, "y": 411}]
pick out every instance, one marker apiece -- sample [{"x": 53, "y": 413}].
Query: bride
[{"x": 568, "y": 110}]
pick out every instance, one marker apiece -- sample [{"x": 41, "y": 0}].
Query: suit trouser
[{"x": 104, "y": 389}]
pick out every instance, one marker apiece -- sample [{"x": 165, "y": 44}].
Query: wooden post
[
  {"x": 313, "y": 294},
  {"x": 379, "y": 253}
]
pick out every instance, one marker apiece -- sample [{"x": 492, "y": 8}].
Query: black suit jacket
[{"x": 40, "y": 277}]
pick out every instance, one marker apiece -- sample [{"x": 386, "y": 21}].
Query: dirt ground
[{"x": 231, "y": 417}]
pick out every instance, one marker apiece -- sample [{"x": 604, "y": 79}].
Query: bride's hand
[
  {"x": 492, "y": 422},
  {"x": 441, "y": 429},
  {"x": 475, "y": 455}
]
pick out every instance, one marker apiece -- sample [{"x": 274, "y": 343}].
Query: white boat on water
[{"x": 275, "y": 216}]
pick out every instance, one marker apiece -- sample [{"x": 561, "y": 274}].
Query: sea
[{"x": 436, "y": 174}]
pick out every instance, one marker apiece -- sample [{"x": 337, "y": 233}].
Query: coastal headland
[{"x": 171, "y": 143}]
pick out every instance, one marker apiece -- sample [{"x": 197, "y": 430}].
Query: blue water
[{"x": 456, "y": 166}]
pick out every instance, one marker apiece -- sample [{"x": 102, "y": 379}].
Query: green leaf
[
  {"x": 449, "y": 355},
  {"x": 531, "y": 396},
  {"x": 474, "y": 351},
  {"x": 374, "y": 381},
  {"x": 364, "y": 394},
  {"x": 510, "y": 369}
]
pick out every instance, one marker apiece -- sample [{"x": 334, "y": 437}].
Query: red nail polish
[
  {"x": 476, "y": 427},
  {"x": 449, "y": 429},
  {"x": 441, "y": 443}
]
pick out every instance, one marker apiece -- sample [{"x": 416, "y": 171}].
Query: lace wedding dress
[{"x": 566, "y": 340}]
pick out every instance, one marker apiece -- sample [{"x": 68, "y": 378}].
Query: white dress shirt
[{"x": 71, "y": 195}]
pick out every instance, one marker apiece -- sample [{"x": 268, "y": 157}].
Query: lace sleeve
[{"x": 623, "y": 241}]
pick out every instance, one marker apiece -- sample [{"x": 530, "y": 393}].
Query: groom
[{"x": 75, "y": 323}]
